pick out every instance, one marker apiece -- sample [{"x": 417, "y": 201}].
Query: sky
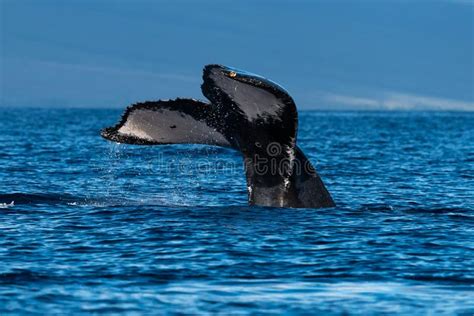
[{"x": 340, "y": 55}]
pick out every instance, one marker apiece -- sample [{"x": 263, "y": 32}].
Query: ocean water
[{"x": 90, "y": 226}]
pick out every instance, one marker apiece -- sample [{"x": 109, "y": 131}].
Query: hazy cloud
[{"x": 396, "y": 101}]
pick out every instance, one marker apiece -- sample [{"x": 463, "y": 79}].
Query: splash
[{"x": 7, "y": 205}]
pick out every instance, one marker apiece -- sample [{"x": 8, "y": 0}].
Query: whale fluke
[
  {"x": 178, "y": 121},
  {"x": 246, "y": 112}
]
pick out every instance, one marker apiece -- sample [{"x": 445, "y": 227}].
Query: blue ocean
[{"x": 89, "y": 226}]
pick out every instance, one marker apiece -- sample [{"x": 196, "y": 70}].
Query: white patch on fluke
[
  {"x": 132, "y": 129},
  {"x": 168, "y": 126}
]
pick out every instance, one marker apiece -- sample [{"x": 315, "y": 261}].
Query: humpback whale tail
[{"x": 246, "y": 112}]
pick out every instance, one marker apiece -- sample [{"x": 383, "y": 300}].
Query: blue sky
[{"x": 328, "y": 54}]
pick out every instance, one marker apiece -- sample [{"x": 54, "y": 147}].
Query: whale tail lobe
[{"x": 179, "y": 121}]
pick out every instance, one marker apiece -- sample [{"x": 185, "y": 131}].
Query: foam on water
[{"x": 5, "y": 205}]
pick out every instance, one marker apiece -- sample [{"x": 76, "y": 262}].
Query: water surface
[{"x": 100, "y": 227}]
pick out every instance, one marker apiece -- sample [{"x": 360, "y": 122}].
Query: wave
[
  {"x": 8, "y": 200},
  {"x": 38, "y": 198}
]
